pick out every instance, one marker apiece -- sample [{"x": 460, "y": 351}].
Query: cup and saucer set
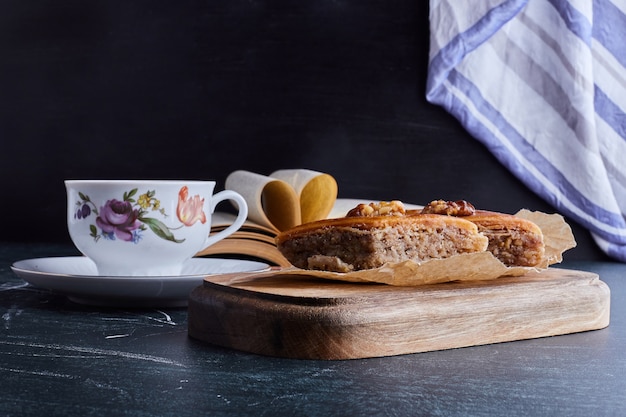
[{"x": 139, "y": 239}]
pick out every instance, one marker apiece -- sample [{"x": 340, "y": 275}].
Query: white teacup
[{"x": 145, "y": 228}]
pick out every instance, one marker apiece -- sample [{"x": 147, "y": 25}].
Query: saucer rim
[
  {"x": 121, "y": 291},
  {"x": 16, "y": 267}
]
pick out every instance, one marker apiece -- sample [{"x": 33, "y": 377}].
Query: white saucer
[{"x": 77, "y": 278}]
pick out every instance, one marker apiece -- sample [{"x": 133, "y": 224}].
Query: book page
[
  {"x": 221, "y": 220},
  {"x": 271, "y": 201},
  {"x": 316, "y": 191}
]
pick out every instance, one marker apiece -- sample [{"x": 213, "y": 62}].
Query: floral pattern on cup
[{"x": 128, "y": 218}]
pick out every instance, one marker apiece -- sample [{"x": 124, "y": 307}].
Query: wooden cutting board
[{"x": 309, "y": 318}]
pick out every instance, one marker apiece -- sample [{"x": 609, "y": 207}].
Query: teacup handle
[{"x": 242, "y": 215}]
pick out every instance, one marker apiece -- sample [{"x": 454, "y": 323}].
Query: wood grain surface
[{"x": 298, "y": 317}]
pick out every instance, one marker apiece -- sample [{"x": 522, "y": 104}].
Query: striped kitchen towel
[{"x": 542, "y": 84}]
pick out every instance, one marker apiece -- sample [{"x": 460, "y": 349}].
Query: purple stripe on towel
[
  {"x": 609, "y": 28},
  {"x": 575, "y": 20},
  {"x": 451, "y": 54},
  {"x": 610, "y": 112}
]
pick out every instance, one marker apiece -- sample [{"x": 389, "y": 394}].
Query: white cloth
[{"x": 542, "y": 84}]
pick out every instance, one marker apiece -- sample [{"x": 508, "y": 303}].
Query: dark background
[{"x": 196, "y": 89}]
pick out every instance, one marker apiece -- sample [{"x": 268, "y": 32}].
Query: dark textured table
[{"x": 61, "y": 358}]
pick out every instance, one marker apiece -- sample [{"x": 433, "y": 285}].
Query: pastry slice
[
  {"x": 513, "y": 240},
  {"x": 375, "y": 234}
]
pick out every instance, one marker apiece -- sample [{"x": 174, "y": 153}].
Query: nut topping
[
  {"x": 457, "y": 208},
  {"x": 383, "y": 208}
]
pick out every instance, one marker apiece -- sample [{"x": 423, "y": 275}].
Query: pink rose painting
[{"x": 128, "y": 218}]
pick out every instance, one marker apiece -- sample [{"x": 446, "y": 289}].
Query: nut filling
[
  {"x": 344, "y": 249},
  {"x": 515, "y": 247}
]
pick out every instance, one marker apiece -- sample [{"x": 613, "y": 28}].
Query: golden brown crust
[
  {"x": 495, "y": 220},
  {"x": 375, "y": 222}
]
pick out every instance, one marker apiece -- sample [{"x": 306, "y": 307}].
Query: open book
[{"x": 277, "y": 202}]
